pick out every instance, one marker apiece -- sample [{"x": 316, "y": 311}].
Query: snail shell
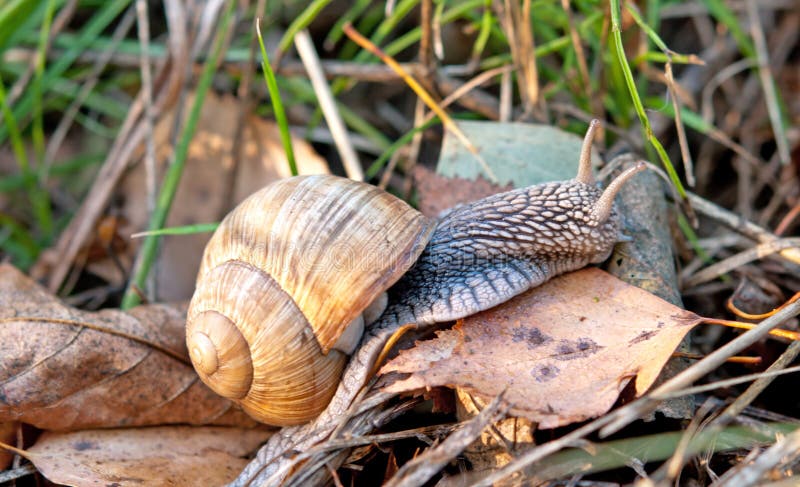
[{"x": 282, "y": 278}]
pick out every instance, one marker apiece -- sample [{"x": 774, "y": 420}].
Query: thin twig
[
  {"x": 470, "y": 85},
  {"x": 583, "y": 68},
  {"x": 476, "y": 100},
  {"x": 768, "y": 83},
  {"x": 332, "y": 68},
  {"x": 758, "y": 252},
  {"x": 426, "y": 57},
  {"x": 506, "y": 93},
  {"x": 723, "y": 75},
  {"x": 733, "y": 221},
  {"x": 757, "y": 387},
  {"x": 688, "y": 165},
  {"x": 420, "y": 469},
  {"x": 519, "y": 31},
  {"x": 390, "y": 167},
  {"x": 689, "y": 391},
  {"x": 305, "y": 47},
  {"x": 672, "y": 468},
  {"x": 416, "y": 145},
  {"x": 783, "y": 452},
  {"x": 151, "y": 172},
  {"x": 17, "y": 473},
  {"x": 243, "y": 112},
  {"x": 788, "y": 219}
]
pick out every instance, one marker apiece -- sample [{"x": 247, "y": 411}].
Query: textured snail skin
[{"x": 481, "y": 254}]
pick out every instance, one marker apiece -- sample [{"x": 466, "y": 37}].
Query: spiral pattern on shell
[{"x": 282, "y": 277}]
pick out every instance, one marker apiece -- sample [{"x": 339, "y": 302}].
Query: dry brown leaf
[
  {"x": 173, "y": 455},
  {"x": 437, "y": 193},
  {"x": 210, "y": 186},
  {"x": 65, "y": 369},
  {"x": 563, "y": 351}
]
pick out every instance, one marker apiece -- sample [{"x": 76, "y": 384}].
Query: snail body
[
  {"x": 483, "y": 254},
  {"x": 290, "y": 271}
]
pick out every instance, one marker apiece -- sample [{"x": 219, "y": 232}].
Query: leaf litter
[
  {"x": 166, "y": 455},
  {"x": 65, "y": 369}
]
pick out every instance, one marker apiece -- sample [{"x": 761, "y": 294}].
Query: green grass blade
[
  {"x": 277, "y": 104},
  {"x": 184, "y": 230},
  {"x": 646, "y": 28},
  {"x": 660, "y": 57},
  {"x": 637, "y": 102},
  {"x": 38, "y": 118},
  {"x": 158, "y": 51},
  {"x": 40, "y": 201},
  {"x": 16, "y": 139},
  {"x": 368, "y": 22},
  {"x": 337, "y": 31},
  {"x": 720, "y": 11},
  {"x": 301, "y": 22},
  {"x": 652, "y": 448},
  {"x": 15, "y": 182},
  {"x": 13, "y": 15},
  {"x": 17, "y": 242},
  {"x": 486, "y": 29},
  {"x": 693, "y": 239},
  {"x": 41, "y": 56},
  {"x": 401, "y": 10},
  {"x": 384, "y": 28},
  {"x": 94, "y": 26},
  {"x": 666, "y": 54}
]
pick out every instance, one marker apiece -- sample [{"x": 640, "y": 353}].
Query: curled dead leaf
[
  {"x": 562, "y": 352},
  {"x": 173, "y": 455},
  {"x": 65, "y": 369}
]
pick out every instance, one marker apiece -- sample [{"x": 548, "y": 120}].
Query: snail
[{"x": 292, "y": 275}]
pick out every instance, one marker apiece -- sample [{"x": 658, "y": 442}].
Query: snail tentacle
[{"x": 585, "y": 174}]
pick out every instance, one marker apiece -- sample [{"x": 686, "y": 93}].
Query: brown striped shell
[{"x": 281, "y": 279}]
